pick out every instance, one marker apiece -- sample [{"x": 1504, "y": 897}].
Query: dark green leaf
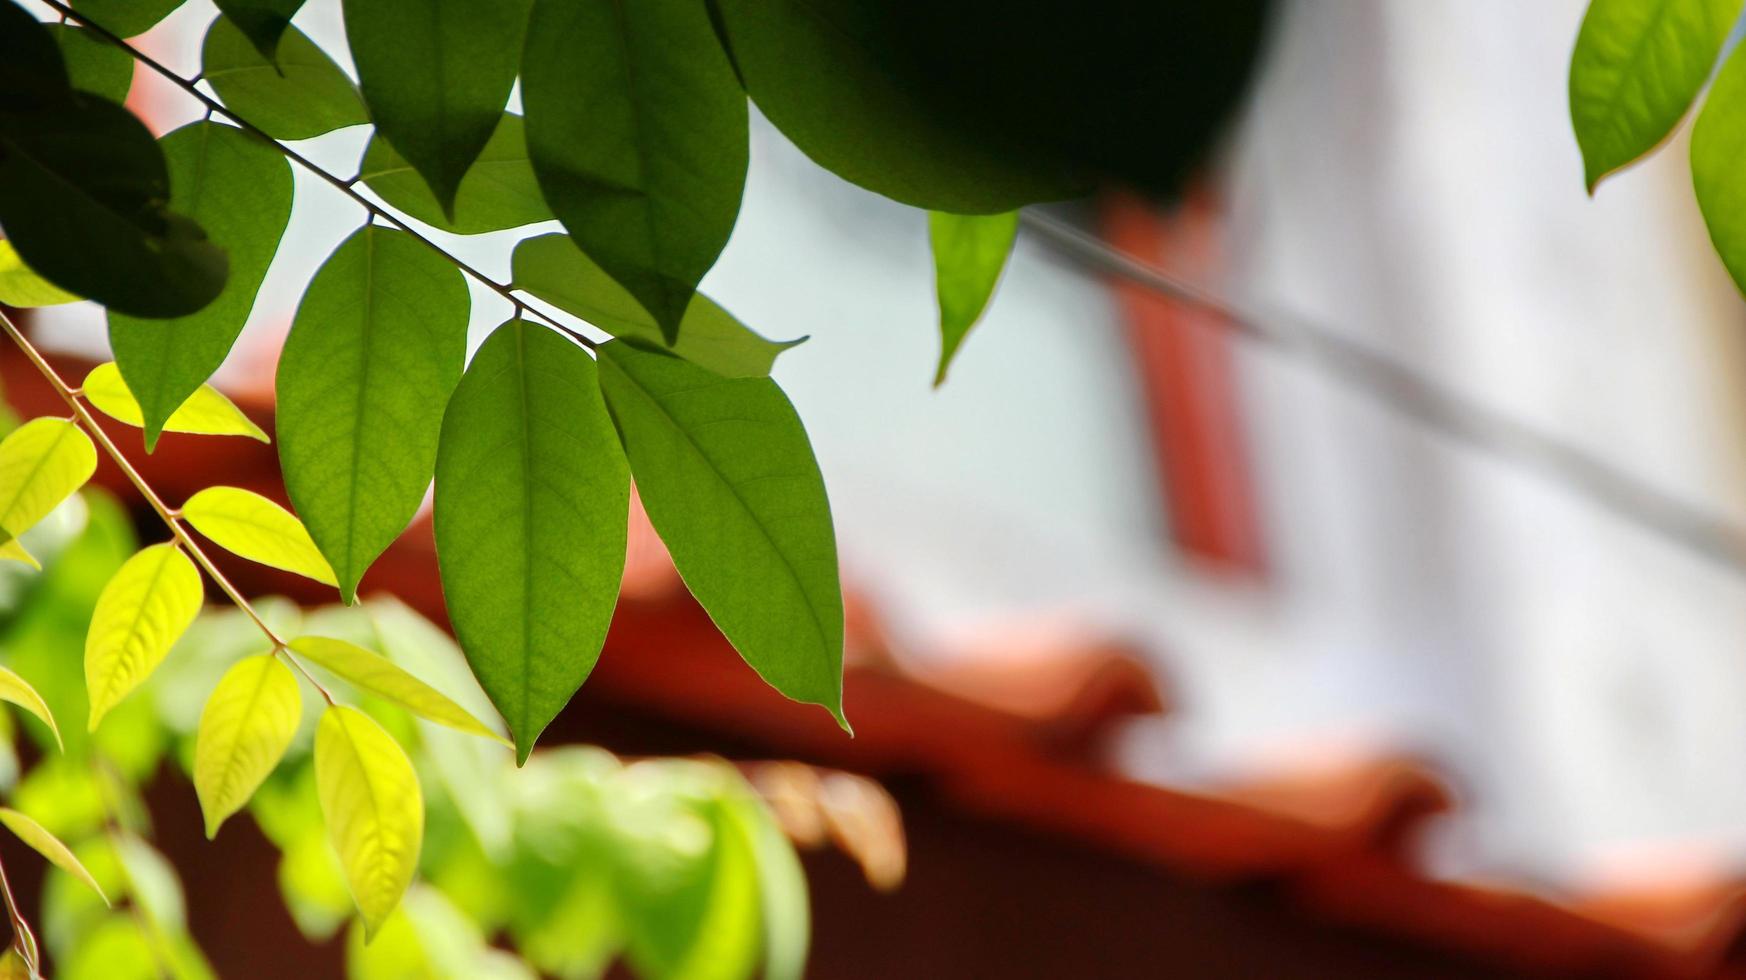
[
  {"x": 263, "y": 21},
  {"x": 1637, "y": 66},
  {"x": 532, "y": 499},
  {"x": 969, "y": 252},
  {"x": 435, "y": 75},
  {"x": 554, "y": 269},
  {"x": 498, "y": 192},
  {"x": 376, "y": 348},
  {"x": 728, "y": 478},
  {"x": 636, "y": 128},
  {"x": 126, "y": 18},
  {"x": 30, "y": 63},
  {"x": 304, "y": 95},
  {"x": 240, "y": 189},
  {"x": 93, "y": 64}
]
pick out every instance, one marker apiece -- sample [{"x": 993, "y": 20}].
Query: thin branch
[{"x": 22, "y": 938}]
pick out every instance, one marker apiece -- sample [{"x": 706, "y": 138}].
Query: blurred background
[{"x": 1335, "y": 569}]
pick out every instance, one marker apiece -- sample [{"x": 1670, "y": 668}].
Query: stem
[
  {"x": 170, "y": 517},
  {"x": 23, "y": 938},
  {"x": 339, "y": 183}
]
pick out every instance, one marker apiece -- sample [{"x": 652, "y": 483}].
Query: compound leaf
[
  {"x": 375, "y": 815},
  {"x": 376, "y": 674},
  {"x": 205, "y": 412},
  {"x": 303, "y": 94},
  {"x": 969, "y": 253},
  {"x": 247, "y": 724},
  {"x": 141, "y": 613},
  {"x": 249, "y": 525}
]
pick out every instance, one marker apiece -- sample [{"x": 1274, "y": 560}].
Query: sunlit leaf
[
  {"x": 554, "y": 269},
  {"x": 17, "y": 690},
  {"x": 727, "y": 476},
  {"x": 46, "y": 844},
  {"x": 239, "y": 189},
  {"x": 263, "y": 21},
  {"x": 126, "y": 18},
  {"x": 1718, "y": 141},
  {"x": 305, "y": 94},
  {"x": 378, "y": 675},
  {"x": 498, "y": 191},
  {"x": 22, "y": 288},
  {"x": 782, "y": 893},
  {"x": 14, "y": 550},
  {"x": 205, "y": 412},
  {"x": 1637, "y": 66},
  {"x": 377, "y": 345},
  {"x": 532, "y": 499},
  {"x": 93, "y": 64},
  {"x": 42, "y": 462},
  {"x": 244, "y": 730},
  {"x": 703, "y": 922},
  {"x": 375, "y": 815},
  {"x": 636, "y": 128},
  {"x": 245, "y": 523},
  {"x": 142, "y": 612},
  {"x": 969, "y": 253}
]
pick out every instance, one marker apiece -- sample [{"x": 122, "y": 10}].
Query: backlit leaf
[
  {"x": 239, "y": 189},
  {"x": 636, "y": 128},
  {"x": 22, "y": 288},
  {"x": 205, "y": 412},
  {"x": 245, "y": 523},
  {"x": 13, "y": 550},
  {"x": 46, "y": 844},
  {"x": 126, "y": 18},
  {"x": 263, "y": 21},
  {"x": 969, "y": 253},
  {"x": 782, "y": 893},
  {"x": 375, "y": 815},
  {"x": 93, "y": 64},
  {"x": 244, "y": 729},
  {"x": 554, "y": 269},
  {"x": 142, "y": 612},
  {"x": 42, "y": 463},
  {"x": 376, "y": 674},
  {"x": 16, "y": 690},
  {"x": 498, "y": 191},
  {"x": 1637, "y": 66},
  {"x": 532, "y": 499},
  {"x": 1717, "y": 142},
  {"x": 377, "y": 345},
  {"x": 305, "y": 94},
  {"x": 702, "y": 922},
  {"x": 727, "y": 476}
]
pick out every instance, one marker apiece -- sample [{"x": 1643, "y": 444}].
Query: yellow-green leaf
[
  {"x": 141, "y": 613},
  {"x": 374, "y": 812},
  {"x": 380, "y": 676},
  {"x": 49, "y": 846},
  {"x": 14, "y": 551},
  {"x": 22, "y": 288},
  {"x": 206, "y": 412},
  {"x": 41, "y": 463},
  {"x": 245, "y": 523},
  {"x": 244, "y": 730},
  {"x": 17, "y": 690}
]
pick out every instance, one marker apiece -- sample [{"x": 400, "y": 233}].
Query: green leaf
[
  {"x": 377, "y": 345},
  {"x": 782, "y": 894},
  {"x": 143, "y": 610},
  {"x": 13, "y": 551},
  {"x": 16, "y": 690},
  {"x": 435, "y": 75},
  {"x": 821, "y": 71},
  {"x": 375, "y": 815},
  {"x": 93, "y": 64},
  {"x": 239, "y": 189},
  {"x": 1718, "y": 140},
  {"x": 636, "y": 128},
  {"x": 247, "y": 524},
  {"x": 702, "y": 922},
  {"x": 42, "y": 463},
  {"x": 499, "y": 191},
  {"x": 126, "y": 18},
  {"x": 726, "y": 473},
  {"x": 532, "y": 499},
  {"x": 46, "y": 844},
  {"x": 552, "y": 268},
  {"x": 969, "y": 253},
  {"x": 22, "y": 288},
  {"x": 1637, "y": 67},
  {"x": 376, "y": 674},
  {"x": 244, "y": 730},
  {"x": 205, "y": 412},
  {"x": 305, "y": 94},
  {"x": 264, "y": 22}
]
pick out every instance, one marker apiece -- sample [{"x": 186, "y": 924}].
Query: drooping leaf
[
  {"x": 263, "y": 21},
  {"x": 532, "y": 500},
  {"x": 636, "y": 128},
  {"x": 969, "y": 253},
  {"x": 205, "y": 412},
  {"x": 782, "y": 893},
  {"x": 378, "y": 675},
  {"x": 49, "y": 846},
  {"x": 499, "y": 191},
  {"x": 93, "y": 64},
  {"x": 16, "y": 690},
  {"x": 1717, "y": 141},
  {"x": 700, "y": 918},
  {"x": 247, "y": 724},
  {"x": 435, "y": 75},
  {"x": 42, "y": 463},
  {"x": 728, "y": 478},
  {"x": 126, "y": 18},
  {"x": 239, "y": 189},
  {"x": 143, "y": 610},
  {"x": 247, "y": 524},
  {"x": 22, "y": 288},
  {"x": 305, "y": 94},
  {"x": 15, "y": 551},
  {"x": 377, "y": 345},
  {"x": 1637, "y": 66},
  {"x": 375, "y": 815},
  {"x": 554, "y": 269}
]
